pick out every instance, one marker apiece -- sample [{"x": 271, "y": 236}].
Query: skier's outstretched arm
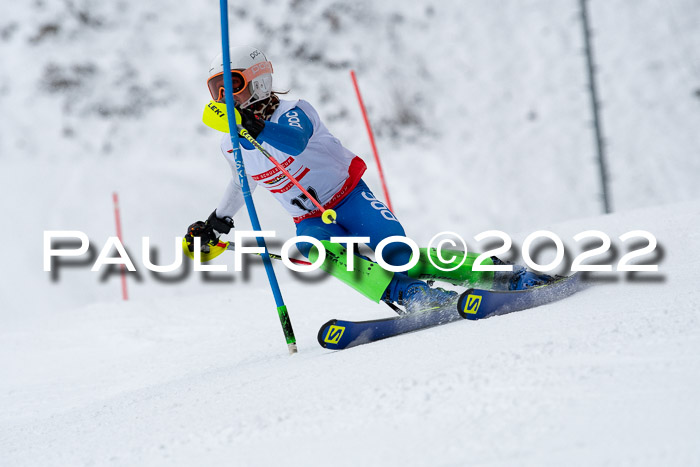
[{"x": 232, "y": 200}]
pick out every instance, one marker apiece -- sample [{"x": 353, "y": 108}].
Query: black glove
[
  {"x": 251, "y": 122},
  {"x": 209, "y": 231}
]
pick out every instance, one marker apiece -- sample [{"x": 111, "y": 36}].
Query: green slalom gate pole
[{"x": 243, "y": 179}]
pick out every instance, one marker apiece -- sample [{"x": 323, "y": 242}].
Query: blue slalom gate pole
[{"x": 243, "y": 180}]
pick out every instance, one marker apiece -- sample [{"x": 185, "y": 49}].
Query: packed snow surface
[
  {"x": 609, "y": 376},
  {"x": 483, "y": 121}
]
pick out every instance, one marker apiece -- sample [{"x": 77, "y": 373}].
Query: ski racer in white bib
[{"x": 294, "y": 134}]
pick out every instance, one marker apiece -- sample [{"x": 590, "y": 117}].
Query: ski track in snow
[{"x": 608, "y": 376}]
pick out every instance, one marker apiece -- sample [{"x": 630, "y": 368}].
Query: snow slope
[{"x": 607, "y": 377}]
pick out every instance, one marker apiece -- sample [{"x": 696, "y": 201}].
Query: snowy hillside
[
  {"x": 607, "y": 377},
  {"x": 482, "y": 119}
]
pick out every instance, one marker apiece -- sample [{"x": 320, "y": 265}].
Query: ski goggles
[{"x": 240, "y": 79}]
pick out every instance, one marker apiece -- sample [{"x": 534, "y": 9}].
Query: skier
[{"x": 293, "y": 133}]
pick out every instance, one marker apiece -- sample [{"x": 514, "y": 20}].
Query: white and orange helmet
[{"x": 249, "y": 68}]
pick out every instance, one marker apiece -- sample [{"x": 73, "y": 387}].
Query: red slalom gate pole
[
  {"x": 371, "y": 139},
  {"x": 117, "y": 219}
]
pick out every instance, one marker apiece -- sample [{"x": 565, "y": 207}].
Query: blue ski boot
[
  {"x": 523, "y": 279},
  {"x": 519, "y": 279},
  {"x": 416, "y": 295}
]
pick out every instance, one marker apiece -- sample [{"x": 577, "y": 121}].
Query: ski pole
[
  {"x": 300, "y": 262},
  {"x": 328, "y": 216},
  {"x": 215, "y": 249},
  {"x": 243, "y": 180},
  {"x": 215, "y": 116}
]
